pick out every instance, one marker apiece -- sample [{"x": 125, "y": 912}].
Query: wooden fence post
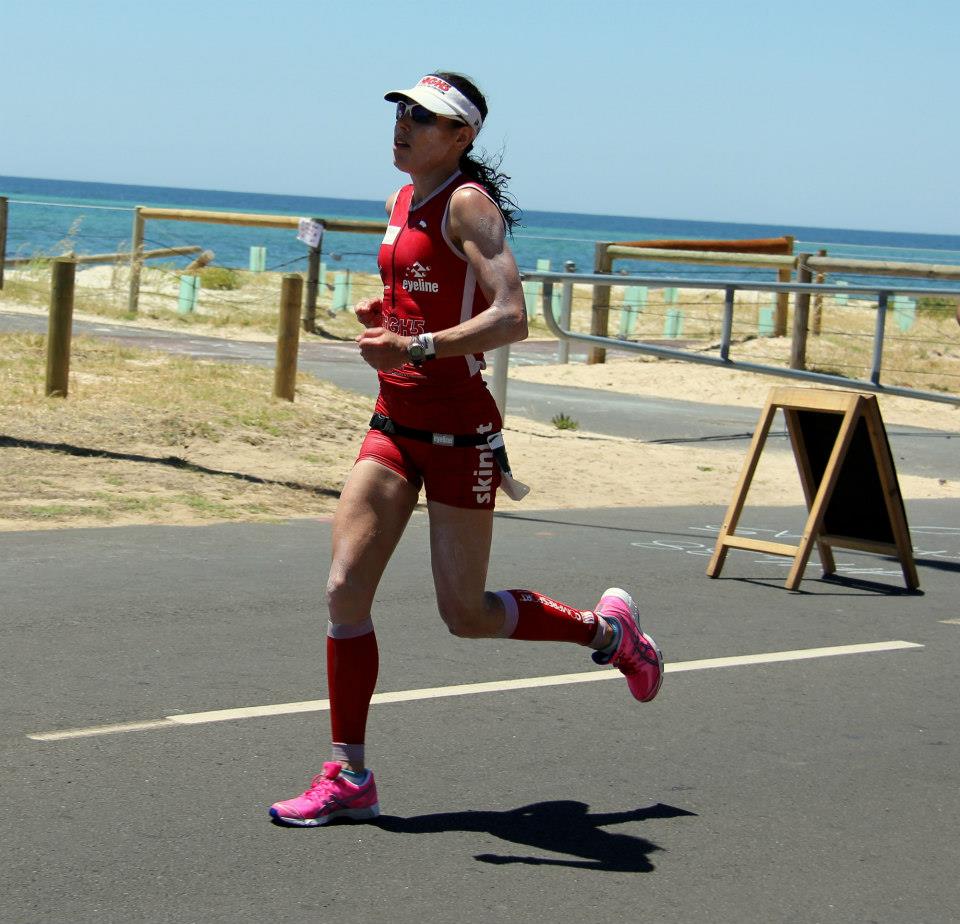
[
  {"x": 201, "y": 260},
  {"x": 3, "y": 235},
  {"x": 136, "y": 261},
  {"x": 801, "y": 316},
  {"x": 288, "y": 337},
  {"x": 783, "y": 298},
  {"x": 566, "y": 312},
  {"x": 816, "y": 323},
  {"x": 600, "y": 313},
  {"x": 60, "y": 327},
  {"x": 313, "y": 286}
]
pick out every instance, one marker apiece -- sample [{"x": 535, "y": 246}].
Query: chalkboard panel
[
  {"x": 857, "y": 508},
  {"x": 849, "y": 481}
]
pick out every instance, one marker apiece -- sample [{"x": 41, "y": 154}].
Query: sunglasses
[{"x": 420, "y": 114}]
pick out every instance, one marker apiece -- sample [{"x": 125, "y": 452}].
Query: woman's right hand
[{"x": 369, "y": 312}]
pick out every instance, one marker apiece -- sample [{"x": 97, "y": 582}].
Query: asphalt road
[
  {"x": 822, "y": 789},
  {"x": 815, "y": 783},
  {"x": 651, "y": 419}
]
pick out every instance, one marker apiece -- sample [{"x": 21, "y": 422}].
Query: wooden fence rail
[
  {"x": 142, "y": 214},
  {"x": 110, "y": 257}
]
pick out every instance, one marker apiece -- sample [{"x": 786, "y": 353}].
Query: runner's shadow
[{"x": 563, "y": 826}]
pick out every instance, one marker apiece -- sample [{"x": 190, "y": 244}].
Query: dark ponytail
[{"x": 483, "y": 170}]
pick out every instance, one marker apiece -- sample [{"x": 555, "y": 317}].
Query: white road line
[{"x": 466, "y": 689}]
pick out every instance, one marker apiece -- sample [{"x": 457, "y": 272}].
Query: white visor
[{"x": 442, "y": 98}]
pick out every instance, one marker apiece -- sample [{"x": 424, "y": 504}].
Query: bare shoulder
[
  {"x": 391, "y": 199},
  {"x": 476, "y": 218},
  {"x": 468, "y": 200}
]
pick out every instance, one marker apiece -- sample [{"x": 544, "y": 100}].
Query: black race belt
[
  {"x": 386, "y": 425},
  {"x": 514, "y": 489}
]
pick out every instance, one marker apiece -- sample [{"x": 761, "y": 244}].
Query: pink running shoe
[
  {"x": 637, "y": 656},
  {"x": 331, "y": 795}
]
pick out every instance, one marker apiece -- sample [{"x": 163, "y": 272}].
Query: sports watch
[{"x": 421, "y": 349}]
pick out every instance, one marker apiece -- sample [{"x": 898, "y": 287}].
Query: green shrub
[
  {"x": 563, "y": 422},
  {"x": 219, "y": 277},
  {"x": 937, "y": 305}
]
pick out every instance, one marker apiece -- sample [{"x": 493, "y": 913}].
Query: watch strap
[{"x": 422, "y": 348}]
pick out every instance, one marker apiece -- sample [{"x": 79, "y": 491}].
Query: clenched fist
[
  {"x": 383, "y": 349},
  {"x": 369, "y": 311}
]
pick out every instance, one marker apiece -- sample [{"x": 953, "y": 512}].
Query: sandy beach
[{"x": 613, "y": 471}]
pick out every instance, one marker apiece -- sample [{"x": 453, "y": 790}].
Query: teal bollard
[
  {"x": 765, "y": 321},
  {"x": 530, "y": 298},
  {"x": 536, "y": 290},
  {"x": 673, "y": 323},
  {"x": 339, "y": 292},
  {"x": 904, "y": 312},
  {"x": 189, "y": 290},
  {"x": 634, "y": 301},
  {"x": 258, "y": 259}
]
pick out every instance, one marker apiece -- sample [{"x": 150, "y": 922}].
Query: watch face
[{"x": 417, "y": 352}]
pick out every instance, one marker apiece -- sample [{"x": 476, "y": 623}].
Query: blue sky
[{"x": 834, "y": 114}]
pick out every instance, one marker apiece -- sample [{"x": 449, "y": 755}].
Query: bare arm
[{"x": 477, "y": 228}]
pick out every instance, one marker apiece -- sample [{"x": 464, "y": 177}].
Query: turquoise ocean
[{"x": 47, "y": 216}]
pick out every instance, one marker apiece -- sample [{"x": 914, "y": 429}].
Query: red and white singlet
[{"x": 428, "y": 285}]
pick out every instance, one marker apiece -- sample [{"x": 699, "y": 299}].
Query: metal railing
[{"x": 882, "y": 296}]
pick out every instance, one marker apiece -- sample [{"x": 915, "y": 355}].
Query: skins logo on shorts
[
  {"x": 416, "y": 280},
  {"x": 483, "y": 486}
]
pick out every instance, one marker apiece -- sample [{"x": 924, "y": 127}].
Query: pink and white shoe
[
  {"x": 636, "y": 656},
  {"x": 331, "y": 795}
]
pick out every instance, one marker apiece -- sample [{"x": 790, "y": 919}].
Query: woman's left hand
[{"x": 383, "y": 349}]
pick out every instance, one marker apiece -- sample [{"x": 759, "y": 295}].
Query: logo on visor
[
  {"x": 441, "y": 85},
  {"x": 417, "y": 281}
]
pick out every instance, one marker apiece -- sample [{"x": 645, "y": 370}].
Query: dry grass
[{"x": 147, "y": 437}]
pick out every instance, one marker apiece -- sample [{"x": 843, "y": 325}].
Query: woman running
[{"x": 451, "y": 290}]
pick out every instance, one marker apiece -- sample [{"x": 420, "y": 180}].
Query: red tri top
[{"x": 428, "y": 285}]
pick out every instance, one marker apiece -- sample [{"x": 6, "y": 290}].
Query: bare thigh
[
  {"x": 371, "y": 516},
  {"x": 460, "y": 553}
]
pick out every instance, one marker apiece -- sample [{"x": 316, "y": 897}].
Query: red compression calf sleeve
[{"x": 533, "y": 617}]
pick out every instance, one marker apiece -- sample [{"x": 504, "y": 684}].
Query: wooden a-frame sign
[{"x": 848, "y": 477}]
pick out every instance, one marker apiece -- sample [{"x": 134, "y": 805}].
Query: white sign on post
[{"x": 311, "y": 232}]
